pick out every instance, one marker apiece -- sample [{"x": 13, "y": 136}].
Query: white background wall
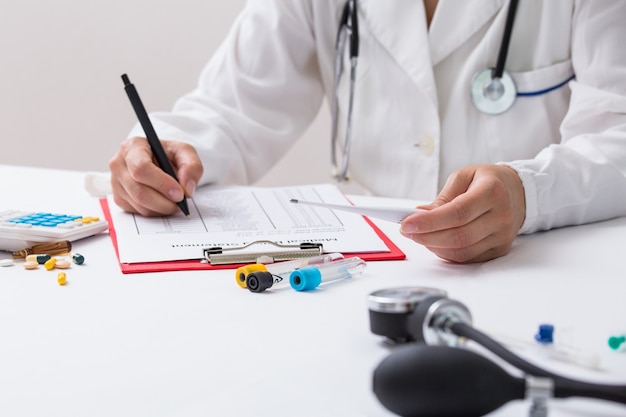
[{"x": 62, "y": 102}]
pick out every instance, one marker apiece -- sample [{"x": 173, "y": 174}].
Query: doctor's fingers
[
  {"x": 461, "y": 211},
  {"x": 468, "y": 194},
  {"x": 487, "y": 249},
  {"x": 186, "y": 163},
  {"x": 456, "y": 184},
  {"x": 469, "y": 238},
  {"x": 143, "y": 169},
  {"x": 138, "y": 184},
  {"x": 133, "y": 197}
]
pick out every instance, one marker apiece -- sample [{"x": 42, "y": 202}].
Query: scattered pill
[
  {"x": 31, "y": 265},
  {"x": 50, "y": 264},
  {"x": 617, "y": 342},
  {"x": 62, "y": 278},
  {"x": 39, "y": 258},
  {"x": 78, "y": 258},
  {"x": 62, "y": 264},
  {"x": 6, "y": 262},
  {"x": 43, "y": 258}
]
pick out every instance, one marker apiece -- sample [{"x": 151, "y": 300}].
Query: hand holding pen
[{"x": 141, "y": 186}]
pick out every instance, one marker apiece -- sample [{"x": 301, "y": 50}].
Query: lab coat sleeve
[
  {"x": 254, "y": 98},
  {"x": 583, "y": 178}
]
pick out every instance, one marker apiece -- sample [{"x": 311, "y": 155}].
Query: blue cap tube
[
  {"x": 305, "y": 279},
  {"x": 310, "y": 277}
]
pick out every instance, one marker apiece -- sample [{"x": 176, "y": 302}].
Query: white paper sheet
[{"x": 236, "y": 216}]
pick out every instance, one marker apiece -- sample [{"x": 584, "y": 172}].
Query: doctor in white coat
[{"x": 556, "y": 157}]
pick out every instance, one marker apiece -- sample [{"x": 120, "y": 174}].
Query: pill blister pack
[{"x": 20, "y": 229}]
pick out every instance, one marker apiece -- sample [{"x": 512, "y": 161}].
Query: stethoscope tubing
[
  {"x": 546, "y": 90},
  {"x": 506, "y": 40},
  {"x": 348, "y": 32}
]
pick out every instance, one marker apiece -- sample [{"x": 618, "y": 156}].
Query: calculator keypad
[{"x": 19, "y": 228}]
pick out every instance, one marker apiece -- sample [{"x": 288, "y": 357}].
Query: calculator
[{"x": 21, "y": 229}]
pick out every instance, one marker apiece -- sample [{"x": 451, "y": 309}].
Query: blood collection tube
[
  {"x": 242, "y": 273},
  {"x": 311, "y": 277},
  {"x": 259, "y": 277}
]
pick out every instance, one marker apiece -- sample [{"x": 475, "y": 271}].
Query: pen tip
[
  {"x": 293, "y": 200},
  {"x": 125, "y": 79}
]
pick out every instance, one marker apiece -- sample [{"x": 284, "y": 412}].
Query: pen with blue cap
[{"x": 153, "y": 139}]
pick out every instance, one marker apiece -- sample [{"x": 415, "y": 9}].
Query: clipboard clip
[{"x": 271, "y": 252}]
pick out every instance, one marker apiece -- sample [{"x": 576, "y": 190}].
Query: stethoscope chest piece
[{"x": 492, "y": 95}]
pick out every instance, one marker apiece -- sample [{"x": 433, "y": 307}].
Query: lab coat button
[{"x": 426, "y": 144}]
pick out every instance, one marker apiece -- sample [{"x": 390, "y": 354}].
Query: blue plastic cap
[
  {"x": 305, "y": 279},
  {"x": 546, "y": 334}
]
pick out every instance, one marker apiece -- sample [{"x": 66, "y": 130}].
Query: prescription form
[{"x": 232, "y": 217}]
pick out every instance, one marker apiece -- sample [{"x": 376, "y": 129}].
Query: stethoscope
[
  {"x": 492, "y": 90},
  {"x": 348, "y": 29}
]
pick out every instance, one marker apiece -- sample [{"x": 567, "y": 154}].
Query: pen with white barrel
[{"x": 392, "y": 214}]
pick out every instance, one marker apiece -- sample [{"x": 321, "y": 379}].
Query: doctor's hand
[
  {"x": 475, "y": 218},
  {"x": 140, "y": 186}
]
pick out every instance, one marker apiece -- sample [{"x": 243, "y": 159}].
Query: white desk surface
[{"x": 183, "y": 344}]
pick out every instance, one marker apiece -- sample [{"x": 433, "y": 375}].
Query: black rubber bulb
[{"x": 421, "y": 380}]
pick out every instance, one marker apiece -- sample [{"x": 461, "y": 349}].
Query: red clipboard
[{"x": 394, "y": 254}]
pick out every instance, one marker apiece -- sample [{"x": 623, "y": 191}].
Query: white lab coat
[{"x": 414, "y": 122}]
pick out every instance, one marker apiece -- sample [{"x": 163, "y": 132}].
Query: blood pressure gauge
[{"x": 407, "y": 314}]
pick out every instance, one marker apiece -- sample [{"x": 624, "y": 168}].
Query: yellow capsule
[
  {"x": 50, "y": 264},
  {"x": 62, "y": 278}
]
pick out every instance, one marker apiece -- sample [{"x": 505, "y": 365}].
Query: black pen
[{"x": 153, "y": 139}]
